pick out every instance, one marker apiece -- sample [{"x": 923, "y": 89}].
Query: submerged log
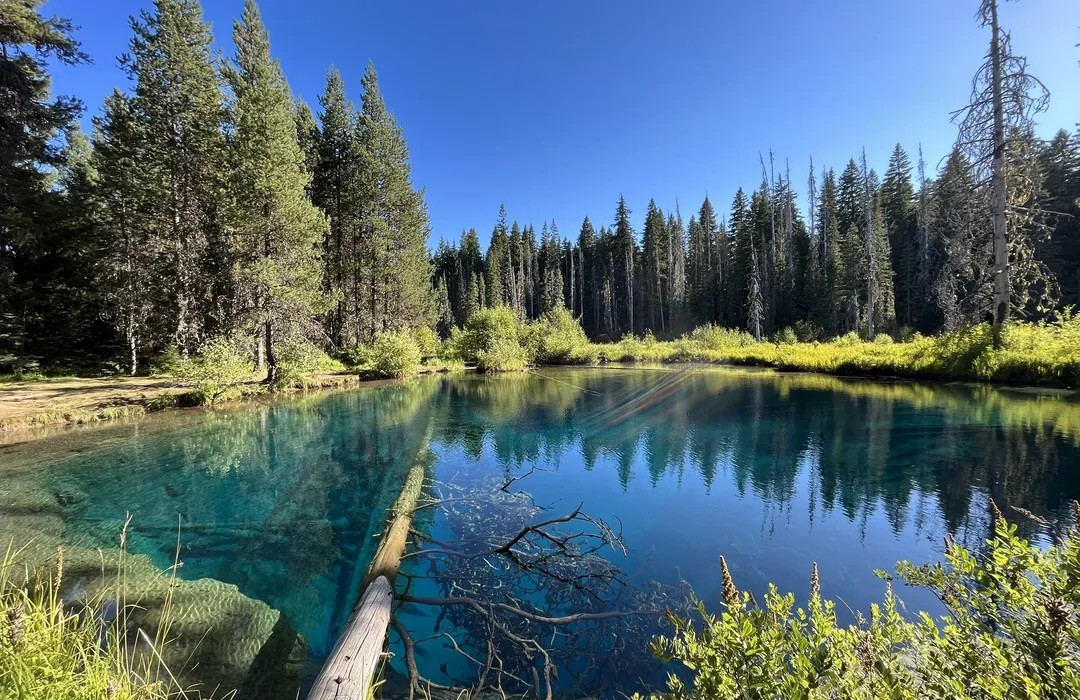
[{"x": 349, "y": 671}]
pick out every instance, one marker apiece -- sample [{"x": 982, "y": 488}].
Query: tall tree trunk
[
  {"x": 271, "y": 356},
  {"x": 1001, "y": 253}
]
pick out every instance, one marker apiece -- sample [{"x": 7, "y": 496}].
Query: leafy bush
[
  {"x": 298, "y": 361},
  {"x": 395, "y": 354},
  {"x": 357, "y": 356},
  {"x": 489, "y": 331},
  {"x": 219, "y": 367},
  {"x": 427, "y": 341},
  {"x": 166, "y": 363},
  {"x": 848, "y": 340},
  {"x": 1012, "y": 632},
  {"x": 883, "y": 339},
  {"x": 713, "y": 337},
  {"x": 503, "y": 355},
  {"x": 560, "y": 339},
  {"x": 787, "y": 336}
]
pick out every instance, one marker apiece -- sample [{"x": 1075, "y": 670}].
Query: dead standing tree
[
  {"x": 531, "y": 602},
  {"x": 1004, "y": 99}
]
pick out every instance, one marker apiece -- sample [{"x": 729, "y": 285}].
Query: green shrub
[
  {"x": 427, "y": 341},
  {"x": 357, "y": 356},
  {"x": 848, "y": 340},
  {"x": 1011, "y": 632},
  {"x": 217, "y": 370},
  {"x": 486, "y": 331},
  {"x": 787, "y": 336},
  {"x": 395, "y": 354},
  {"x": 883, "y": 339},
  {"x": 808, "y": 331},
  {"x": 503, "y": 355},
  {"x": 297, "y": 363},
  {"x": 560, "y": 339},
  {"x": 166, "y": 363},
  {"x": 713, "y": 337}
]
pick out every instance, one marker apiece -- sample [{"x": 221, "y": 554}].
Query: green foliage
[
  {"x": 357, "y": 356},
  {"x": 807, "y": 331},
  {"x": 166, "y": 363},
  {"x": 787, "y": 336},
  {"x": 47, "y": 652},
  {"x": 492, "y": 330},
  {"x": 504, "y": 354},
  {"x": 560, "y": 339},
  {"x": 1012, "y": 632},
  {"x": 427, "y": 341},
  {"x": 713, "y": 337},
  {"x": 298, "y": 362},
  {"x": 216, "y": 371},
  {"x": 395, "y": 354},
  {"x": 848, "y": 340}
]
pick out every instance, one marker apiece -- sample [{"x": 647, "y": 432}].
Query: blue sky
[{"x": 557, "y": 107}]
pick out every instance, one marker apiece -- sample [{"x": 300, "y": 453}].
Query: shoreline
[{"x": 28, "y": 409}]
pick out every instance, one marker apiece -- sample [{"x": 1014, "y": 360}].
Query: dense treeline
[
  {"x": 870, "y": 255},
  {"x": 209, "y": 203}
]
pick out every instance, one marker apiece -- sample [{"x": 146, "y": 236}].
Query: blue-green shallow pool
[{"x": 772, "y": 471}]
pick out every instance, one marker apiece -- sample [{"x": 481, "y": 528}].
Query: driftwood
[{"x": 348, "y": 672}]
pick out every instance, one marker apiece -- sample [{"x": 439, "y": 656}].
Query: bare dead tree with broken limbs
[{"x": 996, "y": 129}]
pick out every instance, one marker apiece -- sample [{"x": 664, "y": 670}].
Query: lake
[{"x": 283, "y": 501}]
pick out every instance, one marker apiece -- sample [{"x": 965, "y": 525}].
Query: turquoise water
[{"x": 774, "y": 472}]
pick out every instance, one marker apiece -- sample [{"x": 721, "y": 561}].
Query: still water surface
[{"x": 775, "y": 472}]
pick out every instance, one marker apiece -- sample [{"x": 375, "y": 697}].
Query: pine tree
[
  {"x": 31, "y": 122},
  {"x": 336, "y": 189},
  {"x": 623, "y": 256},
  {"x": 550, "y": 259},
  {"x": 129, "y": 270},
  {"x": 393, "y": 221},
  {"x": 277, "y": 229},
  {"x": 1059, "y": 160},
  {"x": 676, "y": 270},
  {"x": 738, "y": 282},
  {"x": 590, "y": 291},
  {"x": 307, "y": 134},
  {"x": 179, "y": 102},
  {"x": 655, "y": 260},
  {"x": 899, "y": 208}
]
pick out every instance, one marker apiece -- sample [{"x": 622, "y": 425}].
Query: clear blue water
[{"x": 774, "y": 472}]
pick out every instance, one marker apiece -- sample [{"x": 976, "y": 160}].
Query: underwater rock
[{"x": 218, "y": 640}]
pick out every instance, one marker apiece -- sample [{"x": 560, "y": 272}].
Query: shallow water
[{"x": 773, "y": 471}]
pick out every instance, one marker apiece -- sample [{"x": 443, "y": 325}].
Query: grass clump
[
  {"x": 395, "y": 354},
  {"x": 48, "y": 650},
  {"x": 1012, "y": 631}
]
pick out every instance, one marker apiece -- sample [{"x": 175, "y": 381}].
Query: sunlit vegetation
[
  {"x": 1011, "y": 631},
  {"x": 48, "y": 649}
]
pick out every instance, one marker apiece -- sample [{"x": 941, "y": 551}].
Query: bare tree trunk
[
  {"x": 271, "y": 357},
  {"x": 1001, "y": 253},
  {"x": 134, "y": 349}
]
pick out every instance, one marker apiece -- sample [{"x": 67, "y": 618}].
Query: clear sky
[{"x": 556, "y": 107}]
